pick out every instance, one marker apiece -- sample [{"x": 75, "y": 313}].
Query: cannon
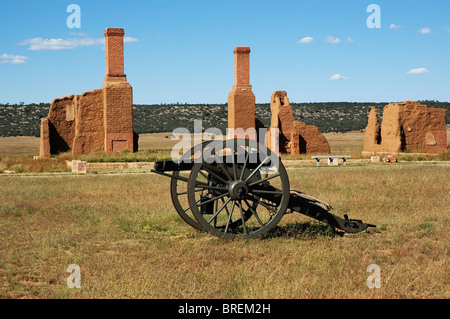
[{"x": 238, "y": 188}]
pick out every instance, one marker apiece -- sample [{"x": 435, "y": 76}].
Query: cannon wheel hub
[{"x": 238, "y": 189}]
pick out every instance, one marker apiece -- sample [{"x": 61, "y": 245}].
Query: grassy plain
[
  {"x": 16, "y": 153},
  {"x": 128, "y": 241}
]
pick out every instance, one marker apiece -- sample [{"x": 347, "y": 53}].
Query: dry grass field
[
  {"x": 29, "y": 145},
  {"x": 129, "y": 242},
  {"x": 350, "y": 142},
  {"x": 126, "y": 237}
]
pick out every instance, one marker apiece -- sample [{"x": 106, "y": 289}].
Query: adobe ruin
[
  {"x": 294, "y": 137},
  {"x": 100, "y": 119},
  {"x": 407, "y": 126}
]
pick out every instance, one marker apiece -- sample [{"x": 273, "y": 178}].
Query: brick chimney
[
  {"x": 117, "y": 96},
  {"x": 114, "y": 53},
  {"x": 242, "y": 67},
  {"x": 241, "y": 100}
]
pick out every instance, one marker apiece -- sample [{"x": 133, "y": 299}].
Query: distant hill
[{"x": 25, "y": 119}]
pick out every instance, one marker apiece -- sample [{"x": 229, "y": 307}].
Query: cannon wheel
[
  {"x": 178, "y": 188},
  {"x": 249, "y": 200}
]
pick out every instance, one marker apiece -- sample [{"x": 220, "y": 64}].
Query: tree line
[{"x": 25, "y": 119}]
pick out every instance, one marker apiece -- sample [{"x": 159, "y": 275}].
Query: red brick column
[
  {"x": 241, "y": 100},
  {"x": 242, "y": 67},
  {"x": 114, "y": 52},
  {"x": 117, "y": 96}
]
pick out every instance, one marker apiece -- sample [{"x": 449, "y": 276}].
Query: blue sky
[{"x": 182, "y": 50}]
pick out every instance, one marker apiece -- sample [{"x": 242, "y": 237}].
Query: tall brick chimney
[
  {"x": 242, "y": 67},
  {"x": 241, "y": 100},
  {"x": 114, "y": 52},
  {"x": 117, "y": 96}
]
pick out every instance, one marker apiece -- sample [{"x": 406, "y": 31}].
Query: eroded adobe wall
[
  {"x": 391, "y": 132},
  {"x": 310, "y": 140},
  {"x": 372, "y": 136},
  {"x": 61, "y": 123},
  {"x": 436, "y": 137},
  {"x": 281, "y": 108},
  {"x": 407, "y": 126},
  {"x": 44, "y": 141},
  {"x": 90, "y": 134},
  {"x": 282, "y": 119},
  {"x": 417, "y": 122},
  {"x": 294, "y": 137}
]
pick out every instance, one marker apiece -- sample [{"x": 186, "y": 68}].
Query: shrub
[
  {"x": 18, "y": 168},
  {"x": 444, "y": 156}
]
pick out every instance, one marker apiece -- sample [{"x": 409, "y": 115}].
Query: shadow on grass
[{"x": 303, "y": 230}]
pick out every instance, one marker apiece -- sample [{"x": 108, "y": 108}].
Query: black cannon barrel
[{"x": 171, "y": 166}]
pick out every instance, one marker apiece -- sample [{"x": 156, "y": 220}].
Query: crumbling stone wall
[
  {"x": 406, "y": 126},
  {"x": 294, "y": 137},
  {"x": 100, "y": 119}
]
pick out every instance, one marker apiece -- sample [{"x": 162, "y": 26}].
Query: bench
[{"x": 331, "y": 158}]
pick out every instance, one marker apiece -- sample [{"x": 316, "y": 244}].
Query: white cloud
[
  {"x": 447, "y": 29},
  {"x": 78, "y": 34},
  {"x": 332, "y": 40},
  {"x": 13, "y": 59},
  {"x": 130, "y": 40},
  {"x": 338, "y": 77},
  {"x": 424, "y": 30},
  {"x": 394, "y": 27},
  {"x": 418, "y": 71},
  {"x": 350, "y": 40},
  {"x": 306, "y": 40},
  {"x": 37, "y": 44}
]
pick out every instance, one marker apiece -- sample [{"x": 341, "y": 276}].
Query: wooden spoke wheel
[
  {"x": 178, "y": 187},
  {"x": 238, "y": 189}
]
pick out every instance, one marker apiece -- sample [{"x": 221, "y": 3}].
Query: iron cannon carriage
[{"x": 238, "y": 188}]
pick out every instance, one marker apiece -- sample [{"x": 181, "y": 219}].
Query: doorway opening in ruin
[
  {"x": 119, "y": 145},
  {"x": 302, "y": 144},
  {"x": 402, "y": 139},
  {"x": 378, "y": 136},
  {"x": 57, "y": 143},
  {"x": 282, "y": 139}
]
